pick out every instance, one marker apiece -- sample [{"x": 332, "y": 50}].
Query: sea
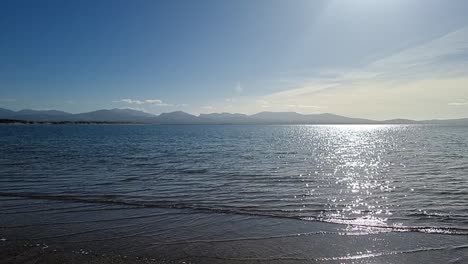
[{"x": 377, "y": 178}]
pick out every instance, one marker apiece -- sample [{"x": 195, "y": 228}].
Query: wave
[
  {"x": 360, "y": 256},
  {"x": 397, "y": 252},
  {"x": 359, "y": 224},
  {"x": 377, "y": 225}
]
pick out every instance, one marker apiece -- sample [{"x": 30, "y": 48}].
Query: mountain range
[{"x": 179, "y": 117}]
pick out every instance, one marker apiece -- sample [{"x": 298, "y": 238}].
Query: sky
[{"x": 362, "y": 58}]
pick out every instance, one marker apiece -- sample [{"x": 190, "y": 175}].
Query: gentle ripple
[{"x": 401, "y": 176}]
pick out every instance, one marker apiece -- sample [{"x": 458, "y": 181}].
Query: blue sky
[{"x": 374, "y": 59}]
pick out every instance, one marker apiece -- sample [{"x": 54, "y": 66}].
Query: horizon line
[{"x": 236, "y": 113}]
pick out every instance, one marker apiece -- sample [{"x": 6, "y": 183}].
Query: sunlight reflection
[{"x": 356, "y": 166}]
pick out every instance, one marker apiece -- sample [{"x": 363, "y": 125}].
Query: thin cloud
[
  {"x": 153, "y": 101},
  {"x": 262, "y": 103},
  {"x": 137, "y": 109},
  {"x": 304, "y": 106},
  {"x": 156, "y": 102},
  {"x": 443, "y": 57},
  {"x": 238, "y": 89},
  {"x": 458, "y": 103}
]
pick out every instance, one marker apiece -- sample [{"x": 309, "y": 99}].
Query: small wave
[
  {"x": 369, "y": 223},
  {"x": 246, "y": 238},
  {"x": 130, "y": 179},
  {"x": 378, "y": 254},
  {"x": 374, "y": 224},
  {"x": 112, "y": 199},
  {"x": 193, "y": 171},
  {"x": 357, "y": 256}
]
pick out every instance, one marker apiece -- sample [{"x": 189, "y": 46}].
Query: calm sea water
[{"x": 399, "y": 177}]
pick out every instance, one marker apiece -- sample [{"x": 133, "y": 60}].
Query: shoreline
[
  {"x": 27, "y": 122},
  {"x": 354, "y": 223},
  {"x": 74, "y": 232}
]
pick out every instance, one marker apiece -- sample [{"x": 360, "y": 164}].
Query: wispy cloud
[
  {"x": 442, "y": 57},
  {"x": 153, "y": 101},
  {"x": 400, "y": 85},
  {"x": 156, "y": 102},
  {"x": 137, "y": 109},
  {"x": 262, "y": 103},
  {"x": 238, "y": 89},
  {"x": 304, "y": 106},
  {"x": 459, "y": 103},
  {"x": 446, "y": 56}
]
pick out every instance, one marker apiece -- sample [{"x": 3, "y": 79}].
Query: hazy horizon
[
  {"x": 228, "y": 113},
  {"x": 375, "y": 60}
]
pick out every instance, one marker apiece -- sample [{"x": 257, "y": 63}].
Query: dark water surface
[
  {"x": 407, "y": 177},
  {"x": 236, "y": 194}
]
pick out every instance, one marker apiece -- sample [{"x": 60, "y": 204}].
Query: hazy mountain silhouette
[
  {"x": 399, "y": 121},
  {"x": 114, "y": 115},
  {"x": 179, "y": 117},
  {"x": 224, "y": 118},
  {"x": 294, "y": 118},
  {"x": 455, "y": 122},
  {"x": 36, "y": 115},
  {"x": 5, "y": 112}
]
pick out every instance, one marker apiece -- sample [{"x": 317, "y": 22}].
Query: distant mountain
[
  {"x": 224, "y": 118},
  {"x": 6, "y": 113},
  {"x": 337, "y": 119},
  {"x": 179, "y": 117},
  {"x": 453, "y": 122},
  {"x": 296, "y": 118},
  {"x": 399, "y": 121},
  {"x": 41, "y": 115},
  {"x": 111, "y": 115},
  {"x": 281, "y": 117},
  {"x": 42, "y": 112},
  {"x": 115, "y": 115}
]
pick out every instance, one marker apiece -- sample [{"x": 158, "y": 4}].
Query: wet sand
[{"x": 44, "y": 231}]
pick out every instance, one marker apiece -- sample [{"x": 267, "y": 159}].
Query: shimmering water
[{"x": 401, "y": 177}]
